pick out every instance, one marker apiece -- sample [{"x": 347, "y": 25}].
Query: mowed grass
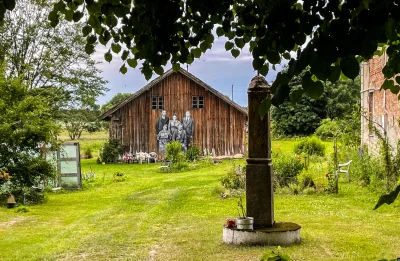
[
  {"x": 288, "y": 145},
  {"x": 92, "y": 141},
  {"x": 178, "y": 216}
]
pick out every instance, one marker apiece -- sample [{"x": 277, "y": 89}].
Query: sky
[{"x": 217, "y": 67}]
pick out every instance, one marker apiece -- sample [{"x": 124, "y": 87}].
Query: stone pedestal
[
  {"x": 281, "y": 234},
  {"x": 259, "y": 190},
  {"x": 259, "y": 181}
]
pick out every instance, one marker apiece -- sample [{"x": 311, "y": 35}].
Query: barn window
[
  {"x": 201, "y": 102},
  {"x": 194, "y": 102},
  {"x": 197, "y": 102},
  {"x": 157, "y": 102},
  {"x": 160, "y": 102}
]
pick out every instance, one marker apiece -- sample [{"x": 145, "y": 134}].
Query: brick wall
[{"x": 386, "y": 106}]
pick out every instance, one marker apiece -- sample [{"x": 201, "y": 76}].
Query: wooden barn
[{"x": 219, "y": 123}]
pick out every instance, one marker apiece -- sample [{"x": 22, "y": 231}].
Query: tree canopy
[
  {"x": 25, "y": 125},
  {"x": 53, "y": 61},
  {"x": 341, "y": 34},
  {"x": 304, "y": 116},
  {"x": 117, "y": 99}
]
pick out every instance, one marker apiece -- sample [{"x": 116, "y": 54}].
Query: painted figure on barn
[
  {"x": 173, "y": 124},
  {"x": 160, "y": 122},
  {"x": 180, "y": 135},
  {"x": 188, "y": 126},
  {"x": 163, "y": 138}
]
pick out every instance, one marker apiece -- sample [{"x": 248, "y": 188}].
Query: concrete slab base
[{"x": 283, "y": 233}]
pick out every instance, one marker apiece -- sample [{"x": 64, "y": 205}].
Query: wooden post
[{"x": 259, "y": 176}]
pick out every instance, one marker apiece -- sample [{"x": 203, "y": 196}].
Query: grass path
[{"x": 176, "y": 216}]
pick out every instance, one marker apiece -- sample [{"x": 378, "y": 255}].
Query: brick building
[{"x": 382, "y": 107}]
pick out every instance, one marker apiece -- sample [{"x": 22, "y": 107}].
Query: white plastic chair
[{"x": 344, "y": 168}]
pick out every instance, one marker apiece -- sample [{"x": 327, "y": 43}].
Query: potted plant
[
  {"x": 243, "y": 221},
  {"x": 230, "y": 222},
  {"x": 11, "y": 201}
]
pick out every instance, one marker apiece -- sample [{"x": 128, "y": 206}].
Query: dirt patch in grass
[{"x": 12, "y": 222}]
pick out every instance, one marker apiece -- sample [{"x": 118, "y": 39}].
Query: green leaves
[
  {"x": 239, "y": 42},
  {"x": 204, "y": 46},
  {"x": 124, "y": 55},
  {"x": 235, "y": 52},
  {"x": 93, "y": 21},
  {"x": 315, "y": 90},
  {"x": 115, "y": 47},
  {"x": 281, "y": 94},
  {"x": 176, "y": 67},
  {"x": 86, "y": 30},
  {"x": 9, "y": 4},
  {"x": 59, "y": 6},
  {"x": 264, "y": 107},
  {"x": 169, "y": 32},
  {"x": 258, "y": 63},
  {"x": 387, "y": 84},
  {"x": 94, "y": 8},
  {"x": 77, "y": 16},
  {"x": 273, "y": 56},
  {"x": 350, "y": 67},
  {"x": 335, "y": 73},
  {"x": 296, "y": 95},
  {"x": 196, "y": 52},
  {"x": 158, "y": 70},
  {"x": 282, "y": 78},
  {"x": 388, "y": 198},
  {"x": 132, "y": 63},
  {"x": 123, "y": 69},
  {"x": 89, "y": 48},
  {"x": 108, "y": 56},
  {"x": 220, "y": 31},
  {"x": 229, "y": 45},
  {"x": 264, "y": 69},
  {"x": 53, "y": 17},
  {"x": 209, "y": 38}
]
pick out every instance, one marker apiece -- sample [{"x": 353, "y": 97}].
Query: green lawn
[
  {"x": 288, "y": 145},
  {"x": 177, "y": 216},
  {"x": 92, "y": 141}
]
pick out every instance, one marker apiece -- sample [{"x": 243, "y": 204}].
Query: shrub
[
  {"x": 175, "y": 155},
  {"x": 94, "y": 126},
  {"x": 328, "y": 129},
  {"x": 311, "y": 146},
  {"x": 309, "y": 191},
  {"x": 22, "y": 209},
  {"x": 31, "y": 195},
  {"x": 118, "y": 177},
  {"x": 111, "y": 150},
  {"x": 193, "y": 153},
  {"x": 28, "y": 171},
  {"x": 294, "y": 188},
  {"x": 235, "y": 179},
  {"x": 307, "y": 182},
  {"x": 287, "y": 168},
  {"x": 88, "y": 153}
]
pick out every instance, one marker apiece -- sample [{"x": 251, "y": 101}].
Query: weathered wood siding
[{"x": 218, "y": 125}]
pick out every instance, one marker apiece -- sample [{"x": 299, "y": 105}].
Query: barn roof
[{"x": 108, "y": 113}]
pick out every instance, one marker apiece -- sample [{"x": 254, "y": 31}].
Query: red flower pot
[{"x": 230, "y": 223}]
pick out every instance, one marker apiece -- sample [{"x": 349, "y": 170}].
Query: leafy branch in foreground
[
  {"x": 388, "y": 198},
  {"x": 341, "y": 34}
]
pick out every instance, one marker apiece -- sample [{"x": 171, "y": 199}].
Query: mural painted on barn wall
[{"x": 174, "y": 130}]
